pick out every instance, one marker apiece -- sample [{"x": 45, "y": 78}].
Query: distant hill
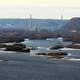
[
  {"x": 71, "y": 30},
  {"x": 72, "y": 25},
  {"x": 52, "y": 24}
]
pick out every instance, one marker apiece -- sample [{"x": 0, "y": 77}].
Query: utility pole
[
  {"x": 61, "y": 20},
  {"x": 30, "y": 22},
  {"x": 25, "y": 22}
]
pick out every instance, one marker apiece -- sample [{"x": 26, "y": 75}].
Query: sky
[{"x": 49, "y": 9}]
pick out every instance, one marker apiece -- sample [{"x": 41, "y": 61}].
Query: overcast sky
[{"x": 39, "y": 8}]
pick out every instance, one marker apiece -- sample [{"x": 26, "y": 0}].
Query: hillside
[
  {"x": 39, "y": 23},
  {"x": 71, "y": 30},
  {"x": 16, "y": 29},
  {"x": 72, "y": 25}
]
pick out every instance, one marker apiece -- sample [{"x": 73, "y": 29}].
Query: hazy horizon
[{"x": 42, "y": 9}]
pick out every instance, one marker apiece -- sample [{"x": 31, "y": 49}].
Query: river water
[
  {"x": 46, "y": 44},
  {"x": 42, "y": 43},
  {"x": 22, "y": 66}
]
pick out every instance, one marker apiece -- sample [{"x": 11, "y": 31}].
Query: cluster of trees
[
  {"x": 20, "y": 35},
  {"x": 71, "y": 31}
]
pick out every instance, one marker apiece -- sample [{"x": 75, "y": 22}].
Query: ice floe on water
[{"x": 68, "y": 49}]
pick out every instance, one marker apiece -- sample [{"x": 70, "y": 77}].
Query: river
[{"x": 22, "y": 66}]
